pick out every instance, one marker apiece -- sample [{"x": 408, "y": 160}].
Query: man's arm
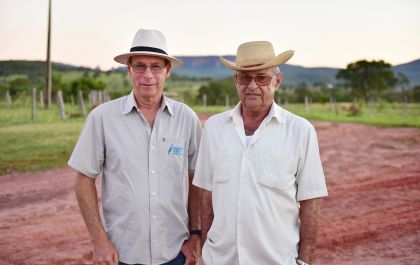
[
  {"x": 192, "y": 248},
  {"x": 309, "y": 216},
  {"x": 206, "y": 214},
  {"x": 85, "y": 190}
]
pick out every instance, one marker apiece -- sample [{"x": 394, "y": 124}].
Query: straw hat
[
  {"x": 150, "y": 43},
  {"x": 256, "y": 55}
]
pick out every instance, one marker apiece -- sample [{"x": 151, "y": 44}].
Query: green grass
[
  {"x": 386, "y": 114},
  {"x": 47, "y": 141}
]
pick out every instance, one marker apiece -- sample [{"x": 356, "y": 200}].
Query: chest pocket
[
  {"x": 222, "y": 164},
  {"x": 171, "y": 153},
  {"x": 279, "y": 172}
]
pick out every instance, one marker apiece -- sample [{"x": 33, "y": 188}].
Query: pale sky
[{"x": 328, "y": 33}]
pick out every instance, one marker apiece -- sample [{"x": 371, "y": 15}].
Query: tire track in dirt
[{"x": 372, "y": 214}]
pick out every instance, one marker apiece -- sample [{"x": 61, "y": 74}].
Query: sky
[{"x": 323, "y": 33}]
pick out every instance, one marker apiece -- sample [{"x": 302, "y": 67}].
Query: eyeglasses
[
  {"x": 141, "y": 68},
  {"x": 261, "y": 80}
]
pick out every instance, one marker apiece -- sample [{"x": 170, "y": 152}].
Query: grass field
[{"x": 47, "y": 141}]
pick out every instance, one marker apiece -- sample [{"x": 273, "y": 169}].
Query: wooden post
[
  {"x": 306, "y": 104},
  {"x": 72, "y": 99},
  {"x": 48, "y": 89},
  {"x": 204, "y": 100},
  {"x": 8, "y": 100},
  {"x": 33, "y": 114},
  {"x": 41, "y": 98},
  {"x": 332, "y": 104},
  {"x": 371, "y": 105},
  {"x": 227, "y": 100},
  {"x": 60, "y": 103},
  {"x": 335, "y": 106},
  {"x": 82, "y": 103},
  {"x": 405, "y": 108}
]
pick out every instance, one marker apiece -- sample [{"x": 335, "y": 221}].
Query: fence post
[
  {"x": 41, "y": 98},
  {"x": 306, "y": 104},
  {"x": 204, "y": 100},
  {"x": 8, "y": 100},
  {"x": 405, "y": 108},
  {"x": 33, "y": 114},
  {"x": 60, "y": 103},
  {"x": 82, "y": 103},
  {"x": 227, "y": 100}
]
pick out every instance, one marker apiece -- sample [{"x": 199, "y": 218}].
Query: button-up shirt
[
  {"x": 256, "y": 187},
  {"x": 144, "y": 184}
]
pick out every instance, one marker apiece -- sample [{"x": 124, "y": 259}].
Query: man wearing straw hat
[
  {"x": 145, "y": 145},
  {"x": 260, "y": 172}
]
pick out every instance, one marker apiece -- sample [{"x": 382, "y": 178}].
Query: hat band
[{"x": 147, "y": 49}]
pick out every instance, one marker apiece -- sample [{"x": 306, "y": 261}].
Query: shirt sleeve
[
  {"x": 310, "y": 176},
  {"x": 194, "y": 142},
  {"x": 203, "y": 176},
  {"x": 88, "y": 154}
]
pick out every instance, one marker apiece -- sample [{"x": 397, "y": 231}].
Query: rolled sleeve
[
  {"x": 203, "y": 177},
  {"x": 310, "y": 176},
  {"x": 88, "y": 154}
]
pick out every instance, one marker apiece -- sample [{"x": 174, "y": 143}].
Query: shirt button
[
  {"x": 154, "y": 216},
  {"x": 153, "y": 193},
  {"x": 153, "y": 172}
]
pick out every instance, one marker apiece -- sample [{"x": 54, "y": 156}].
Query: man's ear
[
  {"x": 168, "y": 70},
  {"x": 279, "y": 79},
  {"x": 128, "y": 70}
]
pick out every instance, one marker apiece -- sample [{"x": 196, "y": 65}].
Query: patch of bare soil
[{"x": 372, "y": 215}]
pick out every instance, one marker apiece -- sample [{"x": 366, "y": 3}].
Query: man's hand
[
  {"x": 192, "y": 250},
  {"x": 105, "y": 253}
]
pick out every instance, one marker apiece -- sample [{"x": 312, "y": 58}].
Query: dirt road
[{"x": 372, "y": 215}]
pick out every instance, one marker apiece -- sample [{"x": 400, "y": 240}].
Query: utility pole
[{"x": 48, "y": 63}]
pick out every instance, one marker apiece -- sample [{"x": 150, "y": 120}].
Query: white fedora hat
[
  {"x": 148, "y": 42},
  {"x": 257, "y": 55}
]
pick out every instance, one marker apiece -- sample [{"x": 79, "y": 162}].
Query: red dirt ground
[{"x": 372, "y": 214}]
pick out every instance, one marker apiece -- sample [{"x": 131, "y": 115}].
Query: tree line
[{"x": 366, "y": 80}]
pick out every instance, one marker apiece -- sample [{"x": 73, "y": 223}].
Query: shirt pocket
[
  {"x": 222, "y": 167},
  {"x": 173, "y": 150},
  {"x": 279, "y": 172}
]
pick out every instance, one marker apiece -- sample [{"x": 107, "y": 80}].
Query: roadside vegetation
[{"x": 44, "y": 140}]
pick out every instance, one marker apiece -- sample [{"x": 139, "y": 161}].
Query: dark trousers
[{"x": 180, "y": 260}]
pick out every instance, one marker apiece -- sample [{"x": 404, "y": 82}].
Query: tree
[
  {"x": 217, "y": 90},
  {"x": 86, "y": 84},
  {"x": 19, "y": 85},
  {"x": 403, "y": 82},
  {"x": 367, "y": 78}
]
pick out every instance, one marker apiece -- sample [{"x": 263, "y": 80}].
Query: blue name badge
[{"x": 175, "y": 150}]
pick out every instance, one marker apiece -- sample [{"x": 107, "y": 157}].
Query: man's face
[
  {"x": 256, "y": 88},
  {"x": 148, "y": 75}
]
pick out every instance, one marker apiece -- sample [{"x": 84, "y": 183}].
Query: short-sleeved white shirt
[
  {"x": 256, "y": 188},
  {"x": 145, "y": 175}
]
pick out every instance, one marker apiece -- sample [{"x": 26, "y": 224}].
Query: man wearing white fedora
[
  {"x": 145, "y": 146},
  {"x": 262, "y": 177}
]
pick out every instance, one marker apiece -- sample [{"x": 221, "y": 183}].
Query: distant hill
[
  {"x": 411, "y": 70},
  {"x": 210, "y": 66}
]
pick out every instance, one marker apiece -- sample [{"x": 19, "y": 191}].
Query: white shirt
[
  {"x": 256, "y": 187},
  {"x": 145, "y": 175}
]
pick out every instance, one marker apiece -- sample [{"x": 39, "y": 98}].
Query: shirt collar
[
  {"x": 276, "y": 112},
  {"x": 130, "y": 103}
]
